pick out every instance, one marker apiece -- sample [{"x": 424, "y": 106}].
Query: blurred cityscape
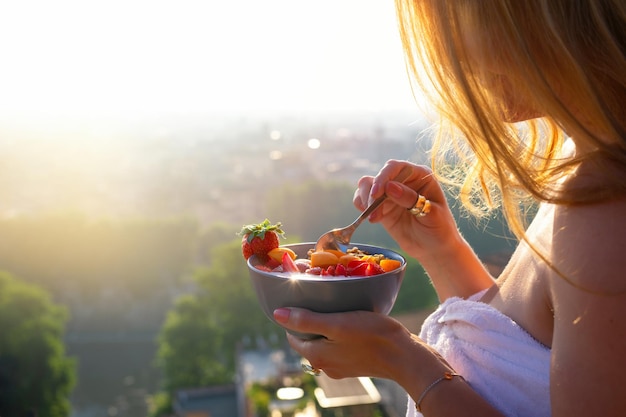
[{"x": 212, "y": 169}]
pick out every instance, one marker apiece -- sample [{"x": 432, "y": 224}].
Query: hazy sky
[{"x": 85, "y": 58}]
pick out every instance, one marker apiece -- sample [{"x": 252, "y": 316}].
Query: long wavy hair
[{"x": 551, "y": 49}]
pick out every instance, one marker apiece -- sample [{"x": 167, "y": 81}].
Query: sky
[{"x": 84, "y": 59}]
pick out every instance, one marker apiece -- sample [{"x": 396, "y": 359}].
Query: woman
[{"x": 512, "y": 80}]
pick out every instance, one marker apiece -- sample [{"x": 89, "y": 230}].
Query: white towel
[{"x": 498, "y": 358}]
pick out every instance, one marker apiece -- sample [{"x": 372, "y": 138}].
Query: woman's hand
[
  {"x": 360, "y": 343},
  {"x": 434, "y": 239},
  {"x": 418, "y": 236}
]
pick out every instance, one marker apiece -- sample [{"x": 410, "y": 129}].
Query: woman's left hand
[{"x": 358, "y": 343}]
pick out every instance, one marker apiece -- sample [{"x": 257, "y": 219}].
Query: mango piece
[
  {"x": 323, "y": 259},
  {"x": 390, "y": 264},
  {"x": 346, "y": 259},
  {"x": 336, "y": 252},
  {"x": 277, "y": 254}
]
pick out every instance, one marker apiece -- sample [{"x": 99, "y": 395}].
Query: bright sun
[{"x": 85, "y": 58}]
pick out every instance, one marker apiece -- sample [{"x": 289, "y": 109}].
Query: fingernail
[
  {"x": 281, "y": 315},
  {"x": 374, "y": 189},
  {"x": 394, "y": 190}
]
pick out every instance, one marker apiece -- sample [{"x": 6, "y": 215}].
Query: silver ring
[
  {"x": 421, "y": 206},
  {"x": 308, "y": 369}
]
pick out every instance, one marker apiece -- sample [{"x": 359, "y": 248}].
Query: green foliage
[
  {"x": 78, "y": 260},
  {"x": 191, "y": 350},
  {"x": 417, "y": 291},
  {"x": 160, "y": 404},
  {"x": 261, "y": 394},
  {"x": 198, "y": 343},
  {"x": 260, "y": 398},
  {"x": 95, "y": 253},
  {"x": 35, "y": 374}
]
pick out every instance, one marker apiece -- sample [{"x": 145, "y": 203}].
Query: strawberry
[
  {"x": 340, "y": 269},
  {"x": 357, "y": 268},
  {"x": 374, "y": 269},
  {"x": 288, "y": 264},
  {"x": 363, "y": 268},
  {"x": 259, "y": 239}
]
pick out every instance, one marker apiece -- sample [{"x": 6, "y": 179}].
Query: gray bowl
[{"x": 327, "y": 294}]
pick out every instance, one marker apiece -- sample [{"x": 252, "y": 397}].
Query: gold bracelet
[{"x": 447, "y": 376}]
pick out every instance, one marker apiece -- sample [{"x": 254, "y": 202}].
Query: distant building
[
  {"x": 355, "y": 397},
  {"x": 214, "y": 401}
]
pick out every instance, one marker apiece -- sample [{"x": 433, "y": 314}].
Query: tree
[
  {"x": 35, "y": 374},
  {"x": 198, "y": 342}
]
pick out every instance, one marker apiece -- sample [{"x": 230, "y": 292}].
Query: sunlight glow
[
  {"x": 135, "y": 57},
  {"x": 289, "y": 393},
  {"x": 314, "y": 143},
  {"x": 276, "y": 155}
]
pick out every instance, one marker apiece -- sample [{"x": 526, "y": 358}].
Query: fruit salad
[{"x": 262, "y": 240}]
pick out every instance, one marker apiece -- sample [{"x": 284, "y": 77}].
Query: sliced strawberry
[
  {"x": 303, "y": 264},
  {"x": 373, "y": 269},
  {"x": 288, "y": 264},
  {"x": 272, "y": 263},
  {"x": 358, "y": 268},
  {"x": 340, "y": 270},
  {"x": 355, "y": 263}
]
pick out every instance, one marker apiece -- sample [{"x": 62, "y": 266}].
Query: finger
[
  {"x": 393, "y": 169},
  {"x": 362, "y": 193},
  {"x": 302, "y": 320},
  {"x": 306, "y": 348},
  {"x": 401, "y": 195}
]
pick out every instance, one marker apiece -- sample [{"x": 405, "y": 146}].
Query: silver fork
[{"x": 335, "y": 238}]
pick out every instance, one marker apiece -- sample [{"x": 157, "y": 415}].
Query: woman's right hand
[
  {"x": 418, "y": 236},
  {"x": 433, "y": 239}
]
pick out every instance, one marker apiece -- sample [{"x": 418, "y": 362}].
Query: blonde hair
[{"x": 547, "y": 47}]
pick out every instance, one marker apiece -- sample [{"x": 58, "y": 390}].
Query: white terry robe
[{"x": 497, "y": 357}]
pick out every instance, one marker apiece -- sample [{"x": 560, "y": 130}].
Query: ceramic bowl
[{"x": 327, "y": 294}]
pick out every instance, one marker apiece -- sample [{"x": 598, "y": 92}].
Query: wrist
[
  {"x": 456, "y": 270},
  {"x": 453, "y": 244},
  {"x": 418, "y": 365},
  {"x": 446, "y": 377}
]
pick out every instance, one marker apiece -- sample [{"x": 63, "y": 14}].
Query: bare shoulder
[
  {"x": 589, "y": 245},
  {"x": 589, "y": 302}
]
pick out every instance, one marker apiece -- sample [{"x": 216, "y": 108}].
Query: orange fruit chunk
[
  {"x": 346, "y": 259},
  {"x": 336, "y": 252},
  {"x": 390, "y": 264},
  {"x": 277, "y": 253},
  {"x": 323, "y": 259}
]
